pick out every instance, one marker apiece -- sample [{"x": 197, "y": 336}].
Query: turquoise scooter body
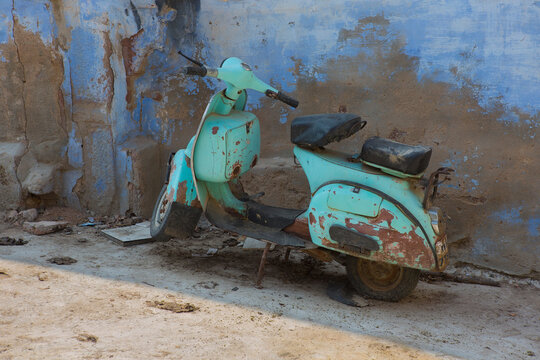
[{"x": 372, "y": 217}]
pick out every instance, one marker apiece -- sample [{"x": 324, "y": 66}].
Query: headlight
[{"x": 437, "y": 220}]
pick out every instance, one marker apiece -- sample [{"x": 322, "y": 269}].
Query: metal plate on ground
[{"x": 130, "y": 235}]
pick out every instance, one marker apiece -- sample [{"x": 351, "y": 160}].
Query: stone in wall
[{"x": 10, "y": 188}]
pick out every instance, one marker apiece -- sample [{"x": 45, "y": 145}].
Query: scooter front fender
[{"x": 181, "y": 187}]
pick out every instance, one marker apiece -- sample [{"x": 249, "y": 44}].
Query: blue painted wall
[{"x": 461, "y": 76}]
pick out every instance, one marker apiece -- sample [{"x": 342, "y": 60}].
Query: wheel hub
[
  {"x": 163, "y": 206},
  {"x": 378, "y": 275}
]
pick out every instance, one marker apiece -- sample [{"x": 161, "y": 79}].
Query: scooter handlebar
[
  {"x": 195, "y": 70},
  {"x": 282, "y": 97}
]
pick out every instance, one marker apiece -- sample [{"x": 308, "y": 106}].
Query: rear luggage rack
[{"x": 433, "y": 184}]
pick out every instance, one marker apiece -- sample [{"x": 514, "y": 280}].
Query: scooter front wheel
[
  {"x": 382, "y": 281},
  {"x": 160, "y": 216}
]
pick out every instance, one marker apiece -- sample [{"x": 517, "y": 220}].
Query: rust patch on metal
[
  {"x": 182, "y": 192},
  {"x": 322, "y": 219},
  {"x": 237, "y": 166},
  {"x": 320, "y": 254},
  {"x": 299, "y": 228},
  {"x": 169, "y": 197},
  {"x": 384, "y": 216},
  {"x": 327, "y": 242},
  {"x": 406, "y": 249},
  {"x": 215, "y": 130},
  {"x": 237, "y": 143},
  {"x": 233, "y": 212},
  {"x": 312, "y": 219},
  {"x": 188, "y": 161},
  {"x": 196, "y": 203},
  {"x": 254, "y": 161}
]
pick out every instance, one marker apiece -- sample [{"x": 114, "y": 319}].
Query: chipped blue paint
[
  {"x": 100, "y": 186},
  {"x": 6, "y": 22},
  {"x": 34, "y": 16},
  {"x": 492, "y": 44},
  {"x": 509, "y": 216},
  {"x": 74, "y": 150},
  {"x": 533, "y": 226}
]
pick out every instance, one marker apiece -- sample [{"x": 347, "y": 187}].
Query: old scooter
[{"x": 373, "y": 209}]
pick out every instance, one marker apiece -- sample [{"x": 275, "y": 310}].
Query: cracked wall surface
[{"x": 93, "y": 100}]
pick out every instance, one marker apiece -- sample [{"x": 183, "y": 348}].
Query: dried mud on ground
[{"x": 169, "y": 301}]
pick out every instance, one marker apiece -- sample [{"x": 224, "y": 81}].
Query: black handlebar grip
[
  {"x": 195, "y": 70},
  {"x": 282, "y": 97},
  {"x": 287, "y": 99}
]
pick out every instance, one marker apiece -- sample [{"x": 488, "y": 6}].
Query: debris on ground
[
  {"x": 9, "y": 241},
  {"x": 172, "y": 306},
  {"x": 3, "y": 274},
  {"x": 43, "y": 276},
  {"x": 207, "y": 284},
  {"x": 62, "y": 260},
  {"x": 209, "y": 253},
  {"x": 433, "y": 277},
  {"x": 119, "y": 220},
  {"x": 231, "y": 242},
  {"x": 44, "y": 227},
  {"x": 87, "y": 338},
  {"x": 130, "y": 235},
  {"x": 11, "y": 216},
  {"x": 14, "y": 216},
  {"x": 91, "y": 223},
  {"x": 58, "y": 213},
  {"x": 29, "y": 215}
]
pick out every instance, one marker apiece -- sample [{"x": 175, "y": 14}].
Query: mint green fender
[{"x": 181, "y": 187}]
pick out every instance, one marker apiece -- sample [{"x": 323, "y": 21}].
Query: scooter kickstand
[
  {"x": 287, "y": 253},
  {"x": 260, "y": 274}
]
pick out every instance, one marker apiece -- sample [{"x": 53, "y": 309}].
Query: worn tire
[
  {"x": 381, "y": 281},
  {"x": 158, "y": 224}
]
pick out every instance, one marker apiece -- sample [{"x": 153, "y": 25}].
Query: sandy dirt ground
[{"x": 103, "y": 306}]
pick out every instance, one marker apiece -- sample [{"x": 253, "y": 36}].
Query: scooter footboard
[
  {"x": 362, "y": 223},
  {"x": 180, "y": 187}
]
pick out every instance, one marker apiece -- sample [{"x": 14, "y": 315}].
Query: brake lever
[{"x": 190, "y": 59}]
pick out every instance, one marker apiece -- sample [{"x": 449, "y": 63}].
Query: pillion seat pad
[
  {"x": 314, "y": 131},
  {"x": 408, "y": 159}
]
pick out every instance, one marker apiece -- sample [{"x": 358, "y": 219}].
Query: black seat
[
  {"x": 315, "y": 131},
  {"x": 408, "y": 159}
]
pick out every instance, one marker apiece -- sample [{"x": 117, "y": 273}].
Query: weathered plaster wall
[{"x": 92, "y": 100}]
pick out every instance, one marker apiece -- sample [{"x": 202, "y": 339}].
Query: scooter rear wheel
[{"x": 382, "y": 281}]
